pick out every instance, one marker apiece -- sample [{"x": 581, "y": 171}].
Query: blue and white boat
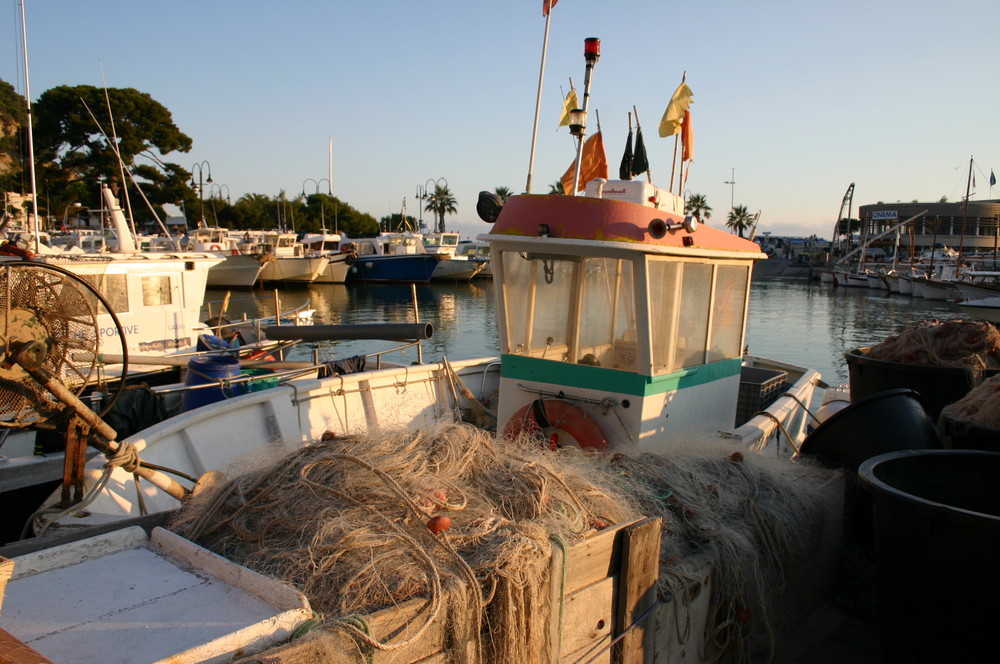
[{"x": 391, "y": 257}]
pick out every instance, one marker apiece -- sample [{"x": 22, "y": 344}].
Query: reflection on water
[
  {"x": 462, "y": 315},
  {"x": 811, "y": 324},
  {"x": 793, "y": 320}
]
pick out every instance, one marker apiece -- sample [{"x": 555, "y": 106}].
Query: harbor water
[{"x": 793, "y": 320}]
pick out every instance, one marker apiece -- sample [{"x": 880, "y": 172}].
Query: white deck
[{"x": 82, "y": 602}]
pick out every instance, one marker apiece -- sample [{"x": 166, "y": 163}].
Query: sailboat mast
[
  {"x": 965, "y": 213},
  {"x": 329, "y": 176},
  {"x": 31, "y": 140}
]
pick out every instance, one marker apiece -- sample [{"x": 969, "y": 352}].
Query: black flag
[
  {"x": 625, "y": 170},
  {"x": 639, "y": 162}
]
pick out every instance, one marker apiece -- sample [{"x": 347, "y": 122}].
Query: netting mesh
[
  {"x": 45, "y": 306},
  {"x": 349, "y": 522},
  {"x": 974, "y": 345}
]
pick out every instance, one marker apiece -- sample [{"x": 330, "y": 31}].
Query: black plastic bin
[
  {"x": 936, "y": 517},
  {"x": 938, "y": 386}
]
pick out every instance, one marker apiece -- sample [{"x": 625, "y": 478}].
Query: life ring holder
[
  {"x": 214, "y": 247},
  {"x": 540, "y": 414}
]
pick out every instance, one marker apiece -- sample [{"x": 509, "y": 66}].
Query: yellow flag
[
  {"x": 673, "y": 117},
  {"x": 570, "y": 104}
]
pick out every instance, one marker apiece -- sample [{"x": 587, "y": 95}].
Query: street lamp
[
  {"x": 199, "y": 187},
  {"x": 219, "y": 188},
  {"x": 76, "y": 207},
  {"x": 322, "y": 217},
  {"x": 426, "y": 195},
  {"x": 329, "y": 187},
  {"x": 732, "y": 189}
]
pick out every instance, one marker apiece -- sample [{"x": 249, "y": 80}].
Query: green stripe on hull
[{"x": 518, "y": 367}]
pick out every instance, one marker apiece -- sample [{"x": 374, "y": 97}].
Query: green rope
[{"x": 557, "y": 539}]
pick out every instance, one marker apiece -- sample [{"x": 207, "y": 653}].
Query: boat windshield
[
  {"x": 696, "y": 312},
  {"x": 570, "y": 309}
]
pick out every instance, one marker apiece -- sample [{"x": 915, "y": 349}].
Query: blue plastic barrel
[{"x": 209, "y": 369}]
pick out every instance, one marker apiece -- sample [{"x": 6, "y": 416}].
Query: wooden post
[{"x": 640, "y": 569}]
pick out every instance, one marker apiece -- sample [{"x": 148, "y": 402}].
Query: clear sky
[{"x": 793, "y": 100}]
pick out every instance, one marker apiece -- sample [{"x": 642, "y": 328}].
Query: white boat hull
[
  {"x": 335, "y": 271},
  {"x": 293, "y": 269},
  {"x": 239, "y": 271},
  {"x": 987, "y": 309}
]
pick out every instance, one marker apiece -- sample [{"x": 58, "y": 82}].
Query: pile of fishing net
[
  {"x": 974, "y": 345},
  {"x": 469, "y": 523},
  {"x": 980, "y": 406}
]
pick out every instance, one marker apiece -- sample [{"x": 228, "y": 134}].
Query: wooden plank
[
  {"x": 640, "y": 569},
  {"x": 15, "y": 651},
  {"x": 680, "y": 625},
  {"x": 587, "y": 623},
  {"x": 392, "y": 625},
  {"x": 594, "y": 558}
]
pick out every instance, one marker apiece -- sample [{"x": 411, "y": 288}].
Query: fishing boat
[
  {"x": 479, "y": 252},
  {"x": 285, "y": 258},
  {"x": 237, "y": 270},
  {"x": 451, "y": 266},
  {"x": 984, "y": 308},
  {"x": 392, "y": 257},
  {"x": 328, "y": 245},
  {"x": 152, "y": 300},
  {"x": 622, "y": 325}
]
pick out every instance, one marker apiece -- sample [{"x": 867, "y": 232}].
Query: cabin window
[
  {"x": 728, "y": 307},
  {"x": 113, "y": 287},
  {"x": 571, "y": 309},
  {"x": 607, "y": 324},
  {"x": 664, "y": 282},
  {"x": 692, "y": 317},
  {"x": 680, "y": 301},
  {"x": 538, "y": 291},
  {"x": 156, "y": 291}
]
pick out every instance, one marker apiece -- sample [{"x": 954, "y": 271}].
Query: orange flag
[
  {"x": 687, "y": 138},
  {"x": 595, "y": 165},
  {"x": 547, "y": 5}
]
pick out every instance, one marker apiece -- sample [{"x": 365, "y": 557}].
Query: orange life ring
[
  {"x": 236, "y": 252},
  {"x": 261, "y": 354},
  {"x": 559, "y": 414},
  {"x": 214, "y": 247},
  {"x": 11, "y": 249}
]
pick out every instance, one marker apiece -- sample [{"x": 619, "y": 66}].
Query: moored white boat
[
  {"x": 986, "y": 308},
  {"x": 338, "y": 261},
  {"x": 285, "y": 259}
]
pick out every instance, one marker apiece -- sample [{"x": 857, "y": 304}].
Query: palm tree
[
  {"x": 739, "y": 220},
  {"x": 504, "y": 193},
  {"x": 441, "y": 202},
  {"x": 556, "y": 188},
  {"x": 697, "y": 206}
]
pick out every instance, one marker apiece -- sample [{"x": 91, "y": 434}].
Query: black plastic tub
[
  {"x": 938, "y": 386},
  {"x": 878, "y": 423},
  {"x": 936, "y": 524}
]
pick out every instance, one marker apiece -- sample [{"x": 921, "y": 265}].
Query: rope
[
  {"x": 781, "y": 427},
  {"x": 561, "y": 543}
]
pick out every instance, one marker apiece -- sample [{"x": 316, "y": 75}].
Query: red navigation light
[{"x": 591, "y": 49}]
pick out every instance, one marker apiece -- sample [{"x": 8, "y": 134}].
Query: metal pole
[
  {"x": 31, "y": 141},
  {"x": 538, "y": 101},
  {"x": 579, "y": 146}
]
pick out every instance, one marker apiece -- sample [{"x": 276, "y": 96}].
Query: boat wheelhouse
[{"x": 619, "y": 305}]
